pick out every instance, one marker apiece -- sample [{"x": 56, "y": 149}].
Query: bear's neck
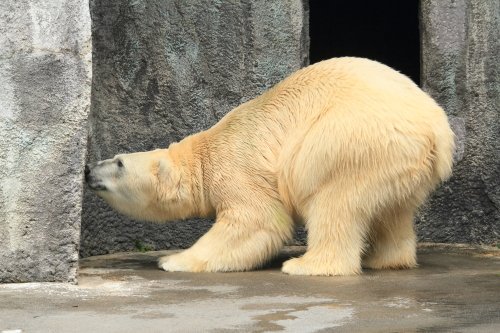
[{"x": 189, "y": 158}]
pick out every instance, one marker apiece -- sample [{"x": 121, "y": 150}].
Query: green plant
[{"x": 141, "y": 247}]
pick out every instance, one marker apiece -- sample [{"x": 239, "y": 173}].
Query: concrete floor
[{"x": 455, "y": 289}]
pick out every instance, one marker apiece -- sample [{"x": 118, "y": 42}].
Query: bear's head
[{"x": 143, "y": 185}]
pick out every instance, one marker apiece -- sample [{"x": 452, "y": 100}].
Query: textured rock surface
[
  {"x": 45, "y": 68},
  {"x": 461, "y": 70},
  {"x": 166, "y": 69}
]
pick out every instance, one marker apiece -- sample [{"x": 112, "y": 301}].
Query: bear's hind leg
[
  {"x": 336, "y": 234},
  {"x": 393, "y": 241},
  {"x": 241, "y": 239}
]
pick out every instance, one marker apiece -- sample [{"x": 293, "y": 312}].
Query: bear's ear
[
  {"x": 168, "y": 179},
  {"x": 166, "y": 171},
  {"x": 163, "y": 167}
]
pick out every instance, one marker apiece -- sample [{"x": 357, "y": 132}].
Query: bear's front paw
[
  {"x": 306, "y": 266},
  {"x": 181, "y": 262},
  {"x": 295, "y": 266}
]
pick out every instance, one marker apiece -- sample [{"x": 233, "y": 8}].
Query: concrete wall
[
  {"x": 166, "y": 69},
  {"x": 461, "y": 70},
  {"x": 45, "y": 72}
]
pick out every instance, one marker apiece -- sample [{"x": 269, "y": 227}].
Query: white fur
[{"x": 348, "y": 146}]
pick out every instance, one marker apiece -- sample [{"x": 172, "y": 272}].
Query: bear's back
[{"x": 339, "y": 115}]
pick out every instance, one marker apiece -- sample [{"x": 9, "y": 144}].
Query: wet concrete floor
[{"x": 455, "y": 289}]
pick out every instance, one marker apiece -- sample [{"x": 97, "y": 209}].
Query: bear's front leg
[{"x": 242, "y": 239}]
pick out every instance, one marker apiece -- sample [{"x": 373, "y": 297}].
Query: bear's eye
[{"x": 119, "y": 163}]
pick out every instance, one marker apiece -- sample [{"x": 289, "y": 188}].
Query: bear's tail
[{"x": 444, "y": 150}]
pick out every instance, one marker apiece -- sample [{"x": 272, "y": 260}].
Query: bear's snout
[
  {"x": 92, "y": 181},
  {"x": 87, "y": 171}
]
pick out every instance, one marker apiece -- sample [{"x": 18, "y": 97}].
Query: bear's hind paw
[{"x": 303, "y": 266}]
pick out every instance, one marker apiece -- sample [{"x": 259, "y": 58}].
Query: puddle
[{"x": 276, "y": 313}]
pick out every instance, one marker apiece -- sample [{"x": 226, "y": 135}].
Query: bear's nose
[{"x": 87, "y": 170}]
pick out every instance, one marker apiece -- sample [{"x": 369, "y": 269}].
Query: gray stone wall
[
  {"x": 165, "y": 69},
  {"x": 45, "y": 72},
  {"x": 461, "y": 70}
]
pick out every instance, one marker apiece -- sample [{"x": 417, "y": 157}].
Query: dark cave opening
[{"x": 386, "y": 31}]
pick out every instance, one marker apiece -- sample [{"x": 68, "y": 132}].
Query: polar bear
[{"x": 347, "y": 146}]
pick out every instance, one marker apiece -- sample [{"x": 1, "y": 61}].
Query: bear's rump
[{"x": 359, "y": 155}]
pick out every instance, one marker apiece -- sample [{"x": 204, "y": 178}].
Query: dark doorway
[{"x": 386, "y": 31}]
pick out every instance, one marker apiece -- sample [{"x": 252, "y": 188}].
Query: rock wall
[
  {"x": 461, "y": 70},
  {"x": 45, "y": 74},
  {"x": 166, "y": 69}
]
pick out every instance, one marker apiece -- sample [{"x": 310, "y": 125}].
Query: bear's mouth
[
  {"x": 94, "y": 184},
  {"x": 97, "y": 186}
]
